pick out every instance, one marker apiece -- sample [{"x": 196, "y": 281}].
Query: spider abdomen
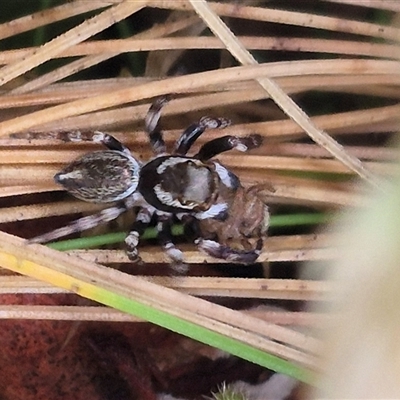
[{"x": 101, "y": 176}]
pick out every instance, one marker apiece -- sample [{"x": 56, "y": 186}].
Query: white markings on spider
[
  {"x": 132, "y": 240},
  {"x": 266, "y": 219},
  {"x": 167, "y": 199},
  {"x": 75, "y": 174},
  {"x": 207, "y": 246},
  {"x": 214, "y": 211},
  {"x": 228, "y": 179},
  {"x": 213, "y": 123},
  {"x": 98, "y": 137},
  {"x": 239, "y": 145},
  {"x": 136, "y": 199},
  {"x": 198, "y": 188},
  {"x": 144, "y": 216},
  {"x": 75, "y": 136},
  {"x": 111, "y": 213},
  {"x": 173, "y": 253},
  {"x": 172, "y": 161}
]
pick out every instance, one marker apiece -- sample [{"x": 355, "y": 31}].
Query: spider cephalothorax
[
  {"x": 171, "y": 184},
  {"x": 179, "y": 184}
]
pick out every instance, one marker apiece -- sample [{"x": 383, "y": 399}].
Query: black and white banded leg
[
  {"x": 82, "y": 224},
  {"x": 106, "y": 139},
  {"x": 110, "y": 142},
  {"x": 218, "y": 250},
  {"x": 142, "y": 221},
  {"x": 151, "y": 124},
  {"x": 227, "y": 143},
  {"x": 166, "y": 241},
  {"x": 224, "y": 252},
  {"x": 193, "y": 132},
  {"x": 188, "y": 137}
]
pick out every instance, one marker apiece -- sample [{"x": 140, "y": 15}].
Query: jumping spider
[{"x": 169, "y": 185}]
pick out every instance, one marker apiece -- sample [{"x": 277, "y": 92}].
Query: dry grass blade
[
  {"x": 105, "y": 314},
  {"x": 102, "y": 55},
  {"x": 196, "y": 286},
  {"x": 78, "y": 34},
  {"x": 294, "y": 18},
  {"x": 10, "y": 191},
  {"x": 34, "y": 211},
  {"x": 48, "y": 16},
  {"x": 189, "y": 82},
  {"x": 279, "y": 96},
  {"x": 382, "y": 4},
  {"x": 220, "y": 319},
  {"x": 105, "y": 49},
  {"x": 363, "y": 121},
  {"x": 273, "y": 251}
]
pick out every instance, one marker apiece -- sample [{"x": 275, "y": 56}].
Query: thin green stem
[{"x": 177, "y": 230}]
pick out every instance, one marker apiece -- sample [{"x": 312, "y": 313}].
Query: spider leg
[
  {"x": 217, "y": 211},
  {"x": 110, "y": 142},
  {"x": 143, "y": 219},
  {"x": 151, "y": 125},
  {"x": 193, "y": 132},
  {"x": 82, "y": 224},
  {"x": 217, "y": 250},
  {"x": 224, "y": 252},
  {"x": 165, "y": 239},
  {"x": 106, "y": 139},
  {"x": 226, "y": 143}
]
